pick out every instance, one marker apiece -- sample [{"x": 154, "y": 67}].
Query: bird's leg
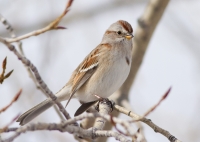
[{"x": 110, "y": 103}]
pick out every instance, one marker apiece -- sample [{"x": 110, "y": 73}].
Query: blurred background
[{"x": 172, "y": 59}]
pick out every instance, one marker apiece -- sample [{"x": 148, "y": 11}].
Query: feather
[
  {"x": 84, "y": 107},
  {"x": 85, "y": 70}
]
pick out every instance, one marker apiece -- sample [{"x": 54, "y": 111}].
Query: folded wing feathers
[
  {"x": 90, "y": 67},
  {"x": 89, "y": 63},
  {"x": 84, "y": 73}
]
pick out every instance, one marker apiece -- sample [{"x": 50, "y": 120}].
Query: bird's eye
[{"x": 119, "y": 32}]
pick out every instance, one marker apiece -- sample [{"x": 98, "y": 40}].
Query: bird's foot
[{"x": 110, "y": 103}]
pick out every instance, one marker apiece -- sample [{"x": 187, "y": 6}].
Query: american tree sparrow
[{"x": 101, "y": 73}]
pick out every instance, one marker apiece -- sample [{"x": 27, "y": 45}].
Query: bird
[{"x": 99, "y": 75}]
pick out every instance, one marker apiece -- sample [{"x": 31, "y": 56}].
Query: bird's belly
[{"x": 106, "y": 84}]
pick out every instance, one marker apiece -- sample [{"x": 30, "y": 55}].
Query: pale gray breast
[{"x": 107, "y": 80}]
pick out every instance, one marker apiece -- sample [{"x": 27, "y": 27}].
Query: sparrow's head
[{"x": 118, "y": 31}]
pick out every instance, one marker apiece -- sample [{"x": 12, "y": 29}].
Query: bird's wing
[{"x": 84, "y": 71}]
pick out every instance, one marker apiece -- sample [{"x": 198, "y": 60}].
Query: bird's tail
[
  {"x": 29, "y": 115},
  {"x": 35, "y": 111}
]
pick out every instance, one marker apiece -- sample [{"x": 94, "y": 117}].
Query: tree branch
[
  {"x": 67, "y": 126},
  {"x": 104, "y": 109},
  {"x": 28, "y": 63},
  {"x": 156, "y": 128},
  {"x": 52, "y": 26},
  {"x": 13, "y": 100},
  {"x": 19, "y": 43},
  {"x": 156, "y": 105}
]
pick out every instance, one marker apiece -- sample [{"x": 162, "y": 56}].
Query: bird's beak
[{"x": 129, "y": 36}]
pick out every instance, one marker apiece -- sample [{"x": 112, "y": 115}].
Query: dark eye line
[{"x": 119, "y": 32}]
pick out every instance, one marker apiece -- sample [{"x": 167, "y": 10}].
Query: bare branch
[
  {"x": 9, "y": 130},
  {"x": 28, "y": 63},
  {"x": 138, "y": 136},
  {"x": 6, "y": 127},
  {"x": 146, "y": 27},
  {"x": 92, "y": 133},
  {"x": 156, "y": 128},
  {"x": 13, "y": 100},
  {"x": 50, "y": 126},
  {"x": 104, "y": 109},
  {"x": 52, "y": 26},
  {"x": 13, "y": 35},
  {"x": 67, "y": 126},
  {"x": 155, "y": 106},
  {"x": 147, "y": 24},
  {"x": 116, "y": 135}
]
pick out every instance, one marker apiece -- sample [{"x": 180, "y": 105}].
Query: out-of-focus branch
[
  {"x": 146, "y": 121},
  {"x": 6, "y": 127},
  {"x": 87, "y": 123},
  {"x": 10, "y": 29},
  {"x": 13, "y": 100},
  {"x": 146, "y": 26},
  {"x": 9, "y": 130},
  {"x": 43, "y": 85},
  {"x": 52, "y": 26}
]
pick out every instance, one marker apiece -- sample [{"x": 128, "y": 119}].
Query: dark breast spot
[{"x": 127, "y": 61}]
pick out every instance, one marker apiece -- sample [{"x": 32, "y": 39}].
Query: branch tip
[
  {"x": 13, "y": 100},
  {"x": 167, "y": 93},
  {"x": 8, "y": 74},
  {"x": 60, "y": 27},
  {"x": 4, "y": 63}
]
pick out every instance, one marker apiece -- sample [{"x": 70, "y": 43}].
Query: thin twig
[
  {"x": 13, "y": 100},
  {"x": 52, "y": 26},
  {"x": 12, "y": 121},
  {"x": 156, "y": 105},
  {"x": 13, "y": 35},
  {"x": 10, "y": 130}
]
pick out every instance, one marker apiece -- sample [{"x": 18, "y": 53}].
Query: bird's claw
[{"x": 105, "y": 101}]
